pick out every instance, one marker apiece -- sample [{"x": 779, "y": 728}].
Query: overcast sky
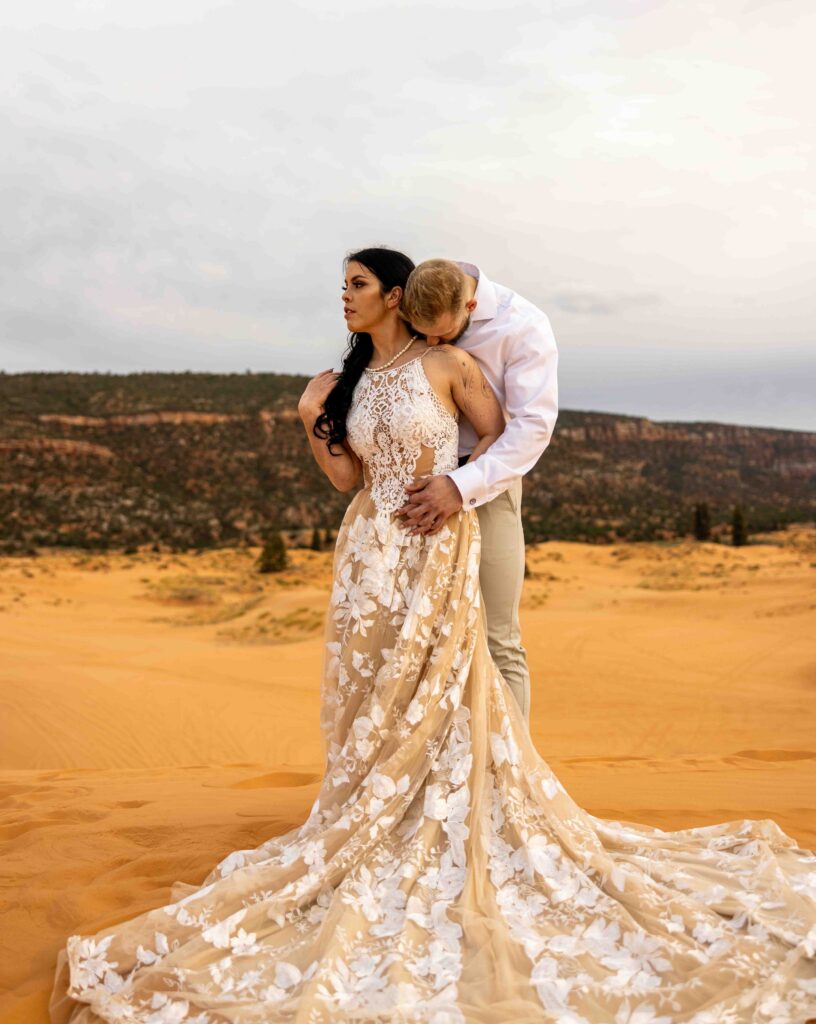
[{"x": 181, "y": 180}]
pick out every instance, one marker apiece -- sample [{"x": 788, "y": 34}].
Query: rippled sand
[{"x": 159, "y": 711}]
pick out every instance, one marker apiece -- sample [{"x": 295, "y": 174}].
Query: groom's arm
[{"x": 531, "y": 399}]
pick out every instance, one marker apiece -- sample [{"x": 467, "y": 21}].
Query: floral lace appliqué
[{"x": 393, "y": 416}]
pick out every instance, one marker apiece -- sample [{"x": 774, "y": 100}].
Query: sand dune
[{"x": 160, "y": 711}]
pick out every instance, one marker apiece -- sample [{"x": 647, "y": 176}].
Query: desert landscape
[
  {"x": 198, "y": 461},
  {"x": 161, "y": 709}
]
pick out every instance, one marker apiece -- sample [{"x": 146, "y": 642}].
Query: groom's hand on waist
[{"x": 431, "y": 499}]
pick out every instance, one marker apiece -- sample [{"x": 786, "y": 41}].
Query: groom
[{"x": 451, "y": 302}]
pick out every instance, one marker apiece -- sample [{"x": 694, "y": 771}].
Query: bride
[{"x": 444, "y": 875}]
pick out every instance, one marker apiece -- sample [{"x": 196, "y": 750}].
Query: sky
[{"x": 180, "y": 181}]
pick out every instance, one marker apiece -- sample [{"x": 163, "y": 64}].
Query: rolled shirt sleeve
[{"x": 531, "y": 406}]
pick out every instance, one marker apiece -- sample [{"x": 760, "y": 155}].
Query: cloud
[
  {"x": 72, "y": 69},
  {"x": 639, "y": 171},
  {"x": 586, "y": 301}
]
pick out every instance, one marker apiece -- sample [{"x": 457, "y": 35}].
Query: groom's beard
[{"x": 461, "y": 332}]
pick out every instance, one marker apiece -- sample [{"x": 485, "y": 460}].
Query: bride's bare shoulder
[
  {"x": 448, "y": 361},
  {"x": 456, "y": 373},
  {"x": 452, "y": 365}
]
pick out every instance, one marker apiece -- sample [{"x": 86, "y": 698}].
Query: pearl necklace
[{"x": 393, "y": 359}]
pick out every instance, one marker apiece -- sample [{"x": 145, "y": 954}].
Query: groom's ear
[{"x": 470, "y": 305}]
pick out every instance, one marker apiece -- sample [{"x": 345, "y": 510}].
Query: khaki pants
[{"x": 501, "y": 577}]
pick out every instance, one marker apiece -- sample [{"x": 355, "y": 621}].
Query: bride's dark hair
[{"x": 391, "y": 268}]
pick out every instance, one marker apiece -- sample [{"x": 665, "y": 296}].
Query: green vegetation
[
  {"x": 110, "y": 394},
  {"x": 739, "y": 532},
  {"x": 191, "y": 461},
  {"x": 702, "y": 522},
  {"x": 273, "y": 556}
]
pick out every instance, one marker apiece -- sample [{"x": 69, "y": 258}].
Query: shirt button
[{"x": 473, "y": 501}]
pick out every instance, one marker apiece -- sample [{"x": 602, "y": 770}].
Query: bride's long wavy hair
[{"x": 391, "y": 268}]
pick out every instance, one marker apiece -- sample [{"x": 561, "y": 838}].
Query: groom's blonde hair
[{"x": 434, "y": 288}]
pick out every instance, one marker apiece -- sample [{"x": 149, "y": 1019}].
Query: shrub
[
  {"x": 273, "y": 556},
  {"x": 702, "y": 522},
  {"x": 739, "y": 533}
]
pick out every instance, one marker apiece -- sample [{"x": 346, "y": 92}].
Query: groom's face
[{"x": 446, "y": 329}]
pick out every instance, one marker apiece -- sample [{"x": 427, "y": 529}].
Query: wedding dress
[{"x": 444, "y": 874}]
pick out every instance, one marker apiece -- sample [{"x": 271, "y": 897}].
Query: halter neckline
[{"x": 393, "y": 369}]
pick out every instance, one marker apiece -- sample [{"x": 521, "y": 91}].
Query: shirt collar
[{"x": 486, "y": 302}]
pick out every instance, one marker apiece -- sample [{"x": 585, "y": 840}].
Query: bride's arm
[
  {"x": 456, "y": 374},
  {"x": 476, "y": 399},
  {"x": 458, "y": 380},
  {"x": 343, "y": 468}
]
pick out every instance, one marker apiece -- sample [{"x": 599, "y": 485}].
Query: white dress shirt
[{"x": 514, "y": 344}]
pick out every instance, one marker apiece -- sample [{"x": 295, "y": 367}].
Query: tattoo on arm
[
  {"x": 468, "y": 379},
  {"x": 475, "y": 390},
  {"x": 475, "y": 382}
]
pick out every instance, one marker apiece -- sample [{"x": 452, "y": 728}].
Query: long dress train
[{"x": 444, "y": 875}]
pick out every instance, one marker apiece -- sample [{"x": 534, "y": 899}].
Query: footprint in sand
[
  {"x": 275, "y": 780},
  {"x": 9, "y": 793},
  {"x": 800, "y": 608},
  {"x": 776, "y": 755},
  {"x": 66, "y": 817}
]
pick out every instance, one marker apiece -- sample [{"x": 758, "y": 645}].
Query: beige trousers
[{"x": 501, "y": 577}]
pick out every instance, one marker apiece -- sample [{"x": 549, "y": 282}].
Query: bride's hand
[
  {"x": 316, "y": 392},
  {"x": 431, "y": 500}
]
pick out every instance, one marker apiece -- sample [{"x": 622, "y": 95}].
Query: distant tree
[
  {"x": 702, "y": 522},
  {"x": 200, "y": 535},
  {"x": 329, "y": 537},
  {"x": 739, "y": 533},
  {"x": 317, "y": 542},
  {"x": 273, "y": 556}
]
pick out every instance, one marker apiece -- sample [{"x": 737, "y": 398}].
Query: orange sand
[{"x": 160, "y": 711}]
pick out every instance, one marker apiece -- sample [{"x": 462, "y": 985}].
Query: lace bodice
[{"x": 395, "y": 415}]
